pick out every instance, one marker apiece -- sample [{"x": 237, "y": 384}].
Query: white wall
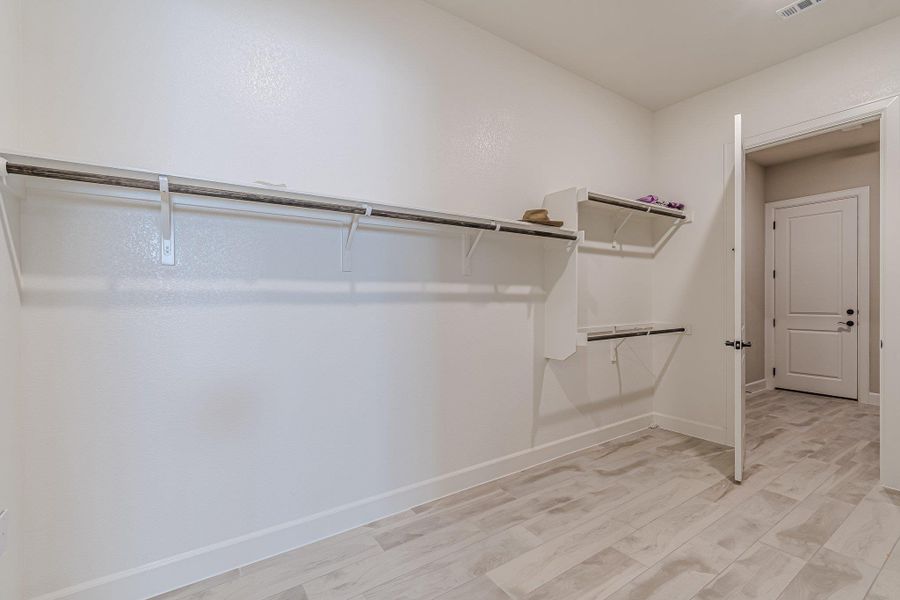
[
  {"x": 254, "y": 385},
  {"x": 10, "y": 451},
  {"x": 689, "y": 149}
]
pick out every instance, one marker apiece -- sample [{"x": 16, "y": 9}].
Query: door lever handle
[{"x": 847, "y": 323}]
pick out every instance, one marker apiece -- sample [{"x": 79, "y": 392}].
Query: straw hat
[{"x": 539, "y": 216}]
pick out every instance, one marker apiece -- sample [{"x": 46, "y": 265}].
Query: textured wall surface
[{"x": 255, "y": 384}]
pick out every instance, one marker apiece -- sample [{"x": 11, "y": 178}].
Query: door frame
[
  {"x": 862, "y": 281},
  {"x": 887, "y": 111}
]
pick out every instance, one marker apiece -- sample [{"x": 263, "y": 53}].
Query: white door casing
[
  {"x": 737, "y": 339},
  {"x": 819, "y": 273},
  {"x": 887, "y": 110}
]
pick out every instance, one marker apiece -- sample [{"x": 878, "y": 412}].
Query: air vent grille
[{"x": 792, "y": 10}]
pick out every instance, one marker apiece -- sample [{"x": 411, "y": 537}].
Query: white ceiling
[
  {"x": 657, "y": 52},
  {"x": 852, "y": 137}
]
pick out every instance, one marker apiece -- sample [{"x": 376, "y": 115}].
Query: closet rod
[
  {"x": 636, "y": 205},
  {"x": 375, "y": 210},
  {"x": 597, "y": 337}
]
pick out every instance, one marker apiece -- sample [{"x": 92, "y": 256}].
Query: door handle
[
  {"x": 738, "y": 345},
  {"x": 847, "y": 323}
]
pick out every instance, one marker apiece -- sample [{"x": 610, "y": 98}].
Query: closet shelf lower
[{"x": 615, "y": 335}]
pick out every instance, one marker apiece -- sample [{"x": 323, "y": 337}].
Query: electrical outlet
[{"x": 4, "y": 530}]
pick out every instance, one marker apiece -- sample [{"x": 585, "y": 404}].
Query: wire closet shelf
[
  {"x": 34, "y": 167},
  {"x": 636, "y": 205},
  {"x": 616, "y": 335}
]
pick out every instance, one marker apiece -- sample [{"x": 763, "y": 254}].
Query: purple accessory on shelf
[{"x": 651, "y": 199}]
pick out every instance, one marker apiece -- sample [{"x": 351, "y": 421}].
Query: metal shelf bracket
[
  {"x": 348, "y": 234},
  {"x": 615, "y": 237},
  {"x": 167, "y": 223},
  {"x": 470, "y": 242}
]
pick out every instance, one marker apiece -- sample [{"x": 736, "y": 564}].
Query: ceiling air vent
[{"x": 792, "y": 10}]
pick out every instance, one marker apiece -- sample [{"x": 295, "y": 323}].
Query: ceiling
[
  {"x": 852, "y": 137},
  {"x": 657, "y": 52}
]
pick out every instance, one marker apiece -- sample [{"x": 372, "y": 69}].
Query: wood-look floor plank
[
  {"x": 595, "y": 578},
  {"x": 458, "y": 568},
  {"x": 802, "y": 479},
  {"x": 762, "y": 573},
  {"x": 565, "y": 517},
  {"x": 871, "y": 530},
  {"x": 524, "y": 508},
  {"x": 355, "y": 579},
  {"x": 295, "y": 593},
  {"x": 657, "y": 501},
  {"x": 653, "y": 541},
  {"x": 833, "y": 576},
  {"x": 886, "y": 586},
  {"x": 481, "y": 588},
  {"x": 808, "y": 526},
  {"x": 527, "y": 572},
  {"x": 678, "y": 576}
]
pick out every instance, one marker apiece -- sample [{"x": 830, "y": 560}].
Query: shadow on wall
[
  {"x": 635, "y": 379},
  {"x": 254, "y": 382}
]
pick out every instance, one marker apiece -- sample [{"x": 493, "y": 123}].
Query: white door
[
  {"x": 737, "y": 341},
  {"x": 816, "y": 298}
]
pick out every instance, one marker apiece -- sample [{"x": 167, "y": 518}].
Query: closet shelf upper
[
  {"x": 29, "y": 166},
  {"x": 644, "y": 207}
]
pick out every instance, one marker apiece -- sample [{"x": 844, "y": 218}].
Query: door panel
[
  {"x": 738, "y": 364},
  {"x": 815, "y": 285}
]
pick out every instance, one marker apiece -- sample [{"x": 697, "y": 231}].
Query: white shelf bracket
[
  {"x": 347, "y": 237},
  {"x": 615, "y": 238},
  {"x": 167, "y": 223},
  {"x": 469, "y": 244},
  {"x": 675, "y": 226},
  {"x": 614, "y": 346}
]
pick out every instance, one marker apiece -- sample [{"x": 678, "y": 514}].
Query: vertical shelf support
[
  {"x": 7, "y": 227},
  {"x": 167, "y": 223},
  {"x": 347, "y": 238}
]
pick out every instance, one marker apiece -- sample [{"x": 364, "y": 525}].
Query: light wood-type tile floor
[{"x": 651, "y": 516}]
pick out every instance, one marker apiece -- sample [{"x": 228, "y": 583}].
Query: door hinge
[
  {"x": 773, "y": 322},
  {"x": 773, "y": 273},
  {"x": 773, "y": 371},
  {"x": 773, "y": 224}
]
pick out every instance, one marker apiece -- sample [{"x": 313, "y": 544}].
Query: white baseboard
[
  {"x": 171, "y": 573},
  {"x": 757, "y": 386},
  {"x": 695, "y": 429},
  {"x": 872, "y": 398}
]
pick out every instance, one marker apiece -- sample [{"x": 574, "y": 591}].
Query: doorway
[
  {"x": 820, "y": 361},
  {"x": 818, "y": 249}
]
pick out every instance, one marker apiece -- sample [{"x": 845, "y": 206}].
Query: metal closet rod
[
  {"x": 638, "y": 206},
  {"x": 211, "y": 192},
  {"x": 597, "y": 337}
]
